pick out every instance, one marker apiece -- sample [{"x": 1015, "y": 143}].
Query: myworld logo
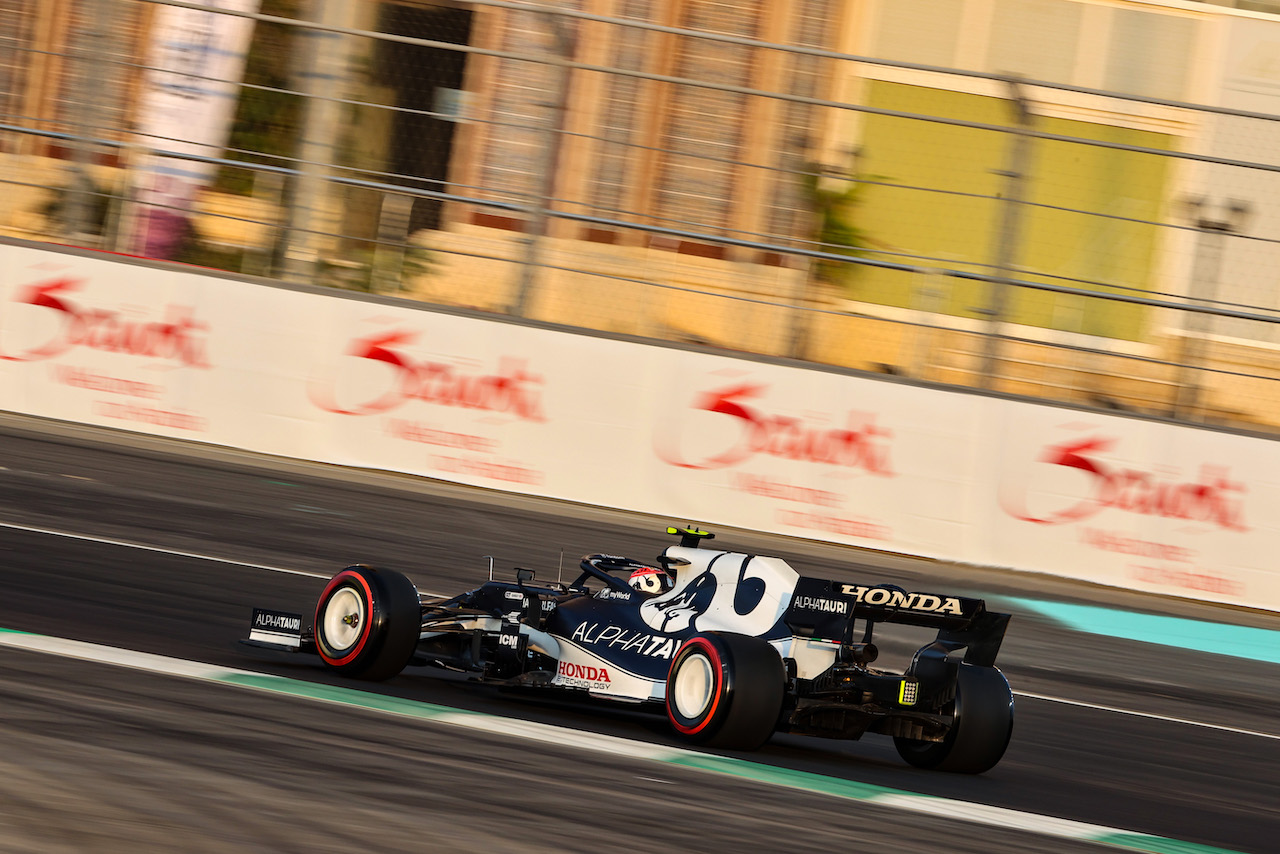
[
  {"x": 745, "y": 430},
  {"x": 398, "y": 378},
  {"x": 1211, "y": 498},
  {"x": 63, "y": 324}
]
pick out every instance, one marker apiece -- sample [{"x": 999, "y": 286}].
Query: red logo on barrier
[
  {"x": 179, "y": 337},
  {"x": 860, "y": 445},
  {"x": 511, "y": 390},
  {"x": 1212, "y": 498}
]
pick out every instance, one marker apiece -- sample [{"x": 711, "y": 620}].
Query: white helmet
[{"x": 649, "y": 579}]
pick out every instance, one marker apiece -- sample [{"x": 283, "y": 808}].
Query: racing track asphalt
[{"x": 100, "y": 758}]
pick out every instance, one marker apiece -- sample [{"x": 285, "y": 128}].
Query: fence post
[
  {"x": 322, "y": 81},
  {"x": 1010, "y": 228},
  {"x": 90, "y": 60},
  {"x": 386, "y": 274},
  {"x": 540, "y": 206},
  {"x": 810, "y": 224},
  {"x": 1210, "y": 240}
]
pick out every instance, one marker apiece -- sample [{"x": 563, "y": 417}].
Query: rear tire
[
  {"x": 725, "y": 690},
  {"x": 367, "y": 622},
  {"x": 980, "y": 734}
]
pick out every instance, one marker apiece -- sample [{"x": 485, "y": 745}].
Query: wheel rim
[
  {"x": 344, "y": 619},
  {"x": 695, "y": 686}
]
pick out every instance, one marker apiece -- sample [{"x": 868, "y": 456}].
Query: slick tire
[
  {"x": 981, "y": 730},
  {"x": 367, "y": 622},
  {"x": 725, "y": 690}
]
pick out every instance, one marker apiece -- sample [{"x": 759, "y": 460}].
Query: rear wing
[{"x": 829, "y": 609}]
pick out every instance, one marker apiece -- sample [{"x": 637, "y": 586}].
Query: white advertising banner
[
  {"x": 449, "y": 397},
  {"x": 686, "y": 435},
  {"x": 1136, "y": 504},
  {"x": 807, "y": 453},
  {"x": 85, "y": 340},
  {"x": 664, "y": 431}
]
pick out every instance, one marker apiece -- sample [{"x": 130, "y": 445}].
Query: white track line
[
  {"x": 128, "y": 545},
  {"x": 1148, "y": 715},
  {"x": 176, "y": 552},
  {"x": 197, "y": 556}
]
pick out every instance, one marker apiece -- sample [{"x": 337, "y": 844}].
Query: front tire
[
  {"x": 980, "y": 732},
  {"x": 725, "y": 690},
  {"x": 367, "y": 622}
]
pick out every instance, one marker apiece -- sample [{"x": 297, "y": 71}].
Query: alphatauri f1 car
[{"x": 731, "y": 647}]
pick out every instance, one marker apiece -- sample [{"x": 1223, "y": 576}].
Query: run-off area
[{"x": 125, "y": 749}]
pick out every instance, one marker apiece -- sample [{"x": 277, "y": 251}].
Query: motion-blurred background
[{"x": 1068, "y": 199}]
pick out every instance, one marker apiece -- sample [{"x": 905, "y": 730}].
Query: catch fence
[{"x": 1064, "y": 200}]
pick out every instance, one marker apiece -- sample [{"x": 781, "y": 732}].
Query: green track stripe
[
  {"x": 1157, "y": 845},
  {"x": 786, "y": 777},
  {"x": 570, "y": 739},
  {"x": 340, "y": 695},
  {"x": 1219, "y": 638}
]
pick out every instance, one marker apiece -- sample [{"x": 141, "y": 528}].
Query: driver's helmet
[{"x": 650, "y": 579}]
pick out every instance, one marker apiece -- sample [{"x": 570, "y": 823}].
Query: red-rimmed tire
[
  {"x": 725, "y": 690},
  {"x": 367, "y": 622}
]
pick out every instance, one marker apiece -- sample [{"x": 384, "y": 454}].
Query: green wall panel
[{"x": 958, "y": 223}]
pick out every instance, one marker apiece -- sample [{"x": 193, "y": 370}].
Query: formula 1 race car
[{"x": 733, "y": 648}]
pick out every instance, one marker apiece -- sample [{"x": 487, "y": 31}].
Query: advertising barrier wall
[{"x": 690, "y": 436}]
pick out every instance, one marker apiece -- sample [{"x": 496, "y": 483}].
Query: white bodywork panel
[
  {"x": 722, "y": 591},
  {"x": 581, "y": 669}
]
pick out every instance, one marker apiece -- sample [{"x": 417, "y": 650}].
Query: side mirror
[{"x": 523, "y": 575}]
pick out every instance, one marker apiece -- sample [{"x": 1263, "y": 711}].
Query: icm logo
[
  {"x": 742, "y": 431},
  {"x": 55, "y": 324},
  {"x": 1092, "y": 485},
  {"x": 377, "y": 375}
]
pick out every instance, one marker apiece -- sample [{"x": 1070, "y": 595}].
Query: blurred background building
[{"x": 1065, "y": 199}]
